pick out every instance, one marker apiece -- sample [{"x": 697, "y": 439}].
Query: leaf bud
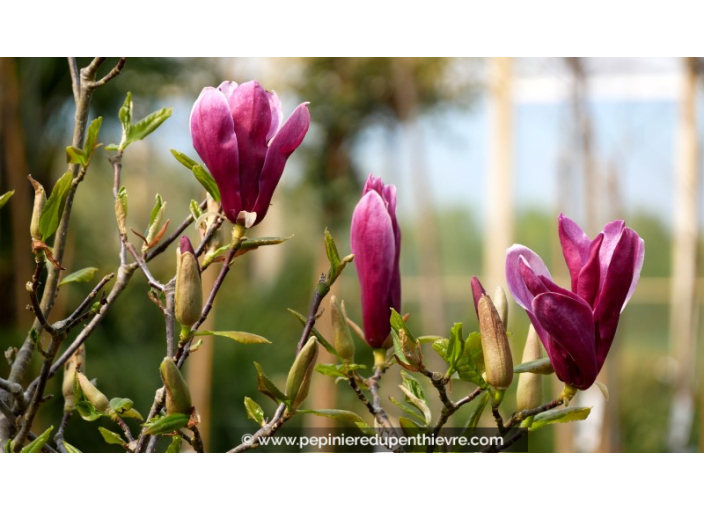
[
  {"x": 178, "y": 396},
  {"x": 298, "y": 381},
  {"x": 344, "y": 344}
]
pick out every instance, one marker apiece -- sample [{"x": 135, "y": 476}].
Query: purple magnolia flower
[
  {"x": 238, "y": 133},
  {"x": 375, "y": 239},
  {"x": 577, "y": 327}
]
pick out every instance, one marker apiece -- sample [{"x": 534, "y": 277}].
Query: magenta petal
[
  {"x": 477, "y": 292},
  {"x": 636, "y": 272},
  {"x": 282, "y": 145},
  {"x": 251, "y": 113},
  {"x": 612, "y": 234},
  {"x": 227, "y": 88},
  {"x": 617, "y": 284},
  {"x": 277, "y": 114},
  {"x": 215, "y": 142},
  {"x": 575, "y": 246},
  {"x": 571, "y": 325},
  {"x": 372, "y": 242},
  {"x": 589, "y": 277},
  {"x": 515, "y": 281}
]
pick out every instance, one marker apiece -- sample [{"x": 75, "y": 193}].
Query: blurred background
[{"x": 484, "y": 153}]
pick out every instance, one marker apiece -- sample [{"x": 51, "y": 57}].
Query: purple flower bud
[
  {"x": 238, "y": 133},
  {"x": 375, "y": 239},
  {"x": 577, "y": 327}
]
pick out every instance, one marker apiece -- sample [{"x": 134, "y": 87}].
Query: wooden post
[{"x": 683, "y": 339}]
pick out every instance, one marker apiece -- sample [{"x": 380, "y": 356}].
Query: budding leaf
[
  {"x": 254, "y": 411},
  {"x": 398, "y": 324},
  {"x": 238, "y": 336},
  {"x": 538, "y": 366},
  {"x": 183, "y": 159},
  {"x": 560, "y": 416},
  {"x": 455, "y": 346},
  {"x": 195, "y": 211},
  {"x": 124, "y": 407},
  {"x": 126, "y": 112},
  {"x": 82, "y": 275},
  {"x": 91, "y": 142},
  {"x": 321, "y": 339},
  {"x": 155, "y": 217},
  {"x": 76, "y": 156},
  {"x": 406, "y": 408},
  {"x": 37, "y": 445},
  {"x": 331, "y": 251},
  {"x": 71, "y": 449},
  {"x": 54, "y": 206},
  {"x": 175, "y": 445},
  {"x": 111, "y": 437},
  {"x": 337, "y": 414},
  {"x": 167, "y": 424},
  {"x": 268, "y": 388},
  {"x": 4, "y": 198}
]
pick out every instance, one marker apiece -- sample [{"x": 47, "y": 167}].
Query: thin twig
[
  {"x": 88, "y": 300},
  {"x": 169, "y": 317},
  {"x": 112, "y": 74},
  {"x": 75, "y": 79},
  {"x": 125, "y": 429},
  {"x": 153, "y": 282},
  {"x": 197, "y": 443},
  {"x": 280, "y": 417},
  {"x": 59, "y": 436}
]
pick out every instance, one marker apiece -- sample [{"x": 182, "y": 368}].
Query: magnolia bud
[
  {"x": 298, "y": 381},
  {"x": 189, "y": 293},
  {"x": 75, "y": 362},
  {"x": 93, "y": 394},
  {"x": 39, "y": 201},
  {"x": 530, "y": 386},
  {"x": 501, "y": 304},
  {"x": 495, "y": 346},
  {"x": 341, "y": 332},
  {"x": 178, "y": 396}
]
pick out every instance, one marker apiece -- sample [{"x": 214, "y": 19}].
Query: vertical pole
[{"x": 684, "y": 259}]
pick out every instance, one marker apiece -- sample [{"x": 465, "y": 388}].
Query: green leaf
[
  {"x": 4, "y": 198},
  {"x": 196, "y": 212},
  {"x": 560, "y": 416},
  {"x": 111, "y": 437},
  {"x": 175, "y": 446},
  {"x": 417, "y": 402},
  {"x": 147, "y": 125},
  {"x": 126, "y": 113},
  {"x": 429, "y": 339},
  {"x": 455, "y": 346},
  {"x": 124, "y": 407},
  {"x": 92, "y": 138},
  {"x": 76, "y": 156},
  {"x": 465, "y": 367},
  {"x": 331, "y": 251},
  {"x": 398, "y": 324},
  {"x": 183, "y": 159},
  {"x": 268, "y": 388},
  {"x": 411, "y": 428},
  {"x": 167, "y": 424},
  {"x": 111, "y": 147},
  {"x": 330, "y": 370},
  {"x": 82, "y": 275},
  {"x": 254, "y": 411},
  {"x": 412, "y": 384},
  {"x": 337, "y": 414},
  {"x": 321, "y": 339},
  {"x": 238, "y": 336},
  {"x": 474, "y": 416},
  {"x": 36, "y": 445},
  {"x": 87, "y": 411},
  {"x": 54, "y": 206},
  {"x": 473, "y": 347},
  {"x": 71, "y": 449},
  {"x": 406, "y": 408},
  {"x": 206, "y": 180},
  {"x": 158, "y": 208},
  {"x": 538, "y": 366}
]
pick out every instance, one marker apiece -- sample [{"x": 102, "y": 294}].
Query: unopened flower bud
[
  {"x": 189, "y": 293},
  {"x": 93, "y": 394},
  {"x": 530, "y": 386},
  {"x": 341, "y": 332},
  {"x": 39, "y": 201},
  {"x": 75, "y": 362},
  {"x": 298, "y": 381},
  {"x": 178, "y": 396},
  {"x": 501, "y": 304},
  {"x": 495, "y": 346}
]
